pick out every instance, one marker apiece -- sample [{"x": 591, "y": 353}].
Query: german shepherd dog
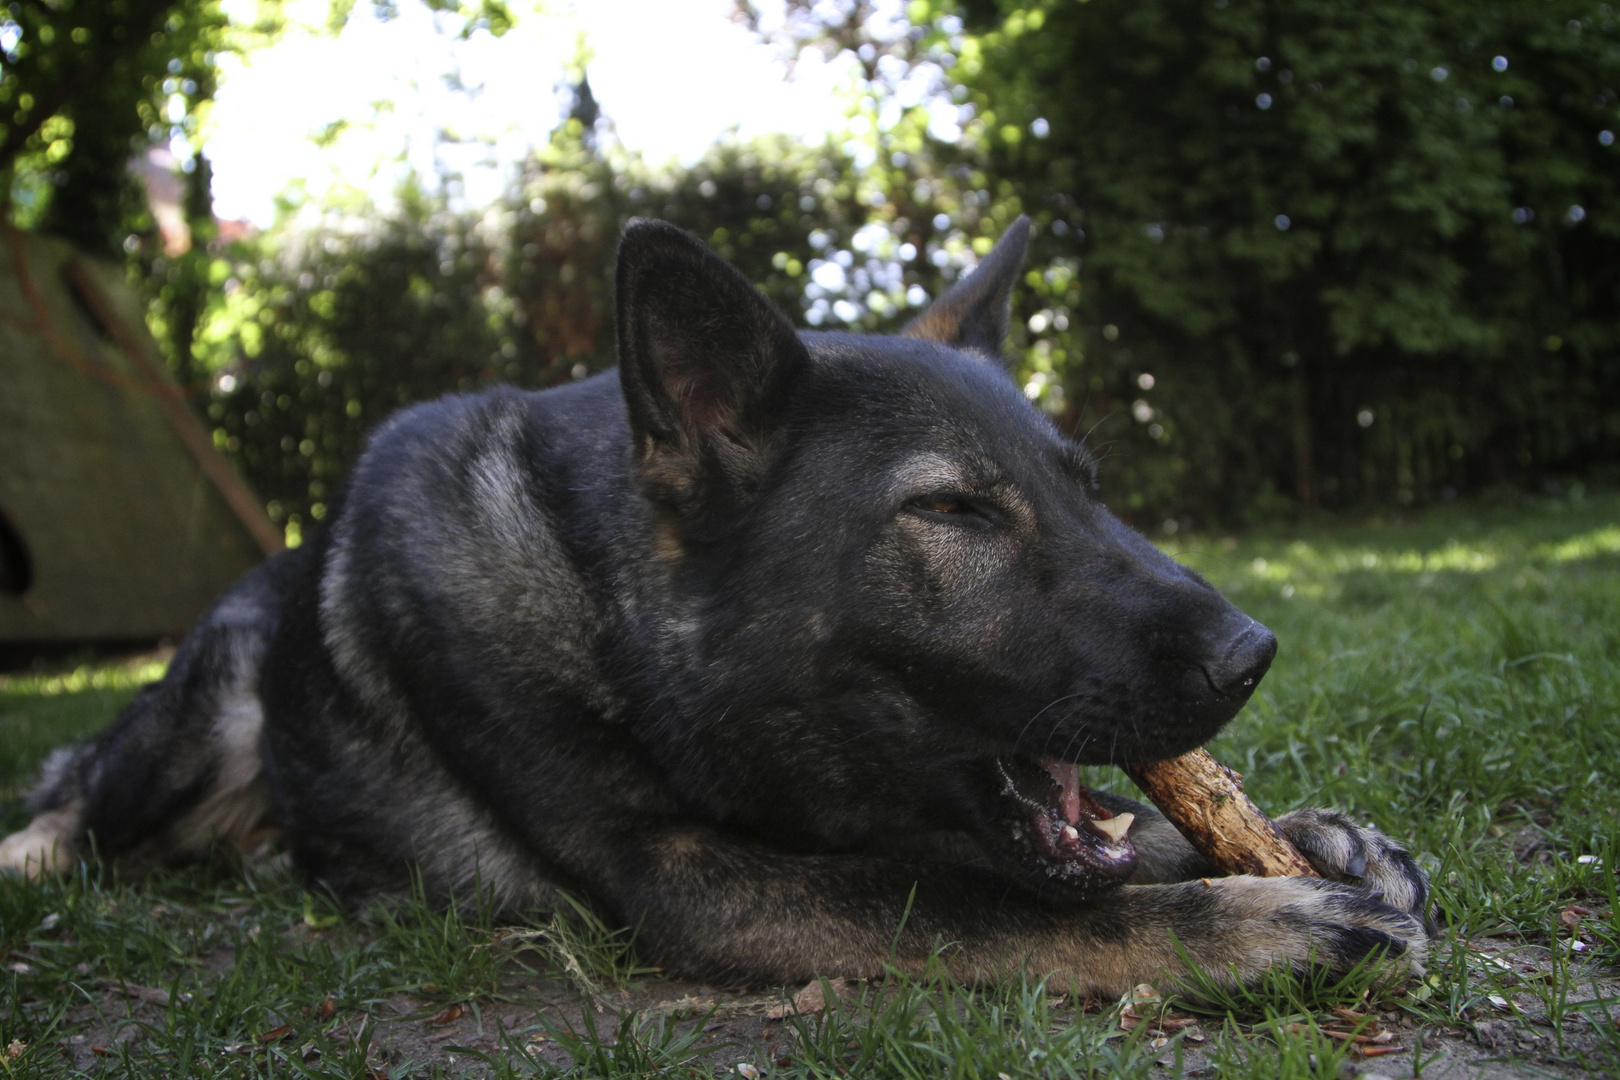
[{"x": 783, "y": 647}]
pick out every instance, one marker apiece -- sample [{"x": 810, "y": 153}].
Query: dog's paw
[
  {"x": 1343, "y": 851},
  {"x": 44, "y": 847},
  {"x": 1312, "y": 923}
]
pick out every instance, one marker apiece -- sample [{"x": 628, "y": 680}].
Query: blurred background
[{"x": 1290, "y": 256}]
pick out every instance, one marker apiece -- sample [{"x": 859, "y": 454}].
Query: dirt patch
[{"x": 735, "y": 1030}]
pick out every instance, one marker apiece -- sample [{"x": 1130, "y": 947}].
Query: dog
[{"x": 783, "y": 647}]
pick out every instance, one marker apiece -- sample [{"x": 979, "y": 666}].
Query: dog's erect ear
[
  {"x": 705, "y": 362},
  {"x": 973, "y": 313}
]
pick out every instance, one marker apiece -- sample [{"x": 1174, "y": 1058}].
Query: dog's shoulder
[{"x": 474, "y": 524}]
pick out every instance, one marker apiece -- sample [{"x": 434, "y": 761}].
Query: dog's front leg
[
  {"x": 713, "y": 906},
  {"x": 1337, "y": 847}
]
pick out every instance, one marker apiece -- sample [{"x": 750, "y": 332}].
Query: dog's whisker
[{"x": 1042, "y": 712}]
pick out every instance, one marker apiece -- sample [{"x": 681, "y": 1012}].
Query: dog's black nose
[{"x": 1244, "y": 660}]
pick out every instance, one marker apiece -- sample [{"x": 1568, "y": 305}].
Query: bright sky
[{"x": 672, "y": 75}]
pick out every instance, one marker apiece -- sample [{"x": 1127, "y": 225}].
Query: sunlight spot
[
  {"x": 1604, "y": 541},
  {"x": 85, "y": 678}
]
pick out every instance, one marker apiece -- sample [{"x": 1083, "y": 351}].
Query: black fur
[{"x": 744, "y": 641}]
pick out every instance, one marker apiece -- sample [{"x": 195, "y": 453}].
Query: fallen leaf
[
  {"x": 1379, "y": 1051},
  {"x": 315, "y": 921},
  {"x": 153, "y": 995},
  {"x": 275, "y": 1034},
  {"x": 449, "y": 1016},
  {"x": 810, "y": 999},
  {"x": 1360, "y": 1039},
  {"x": 1142, "y": 994},
  {"x": 747, "y": 1071}
]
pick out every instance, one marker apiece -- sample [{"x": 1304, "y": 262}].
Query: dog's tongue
[
  {"x": 1067, "y": 778},
  {"x": 1053, "y": 819}
]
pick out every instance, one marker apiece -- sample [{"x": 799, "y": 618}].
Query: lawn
[{"x": 1451, "y": 676}]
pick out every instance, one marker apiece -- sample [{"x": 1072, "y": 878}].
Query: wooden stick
[{"x": 1204, "y": 799}]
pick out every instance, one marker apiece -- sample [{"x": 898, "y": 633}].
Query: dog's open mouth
[{"x": 1055, "y": 821}]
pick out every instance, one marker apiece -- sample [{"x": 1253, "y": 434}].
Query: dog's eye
[{"x": 944, "y": 506}]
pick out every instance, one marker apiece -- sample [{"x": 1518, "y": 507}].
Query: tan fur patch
[{"x": 238, "y": 801}]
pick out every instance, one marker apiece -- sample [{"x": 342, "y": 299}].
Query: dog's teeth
[
  {"x": 1070, "y": 832},
  {"x": 1115, "y": 827}
]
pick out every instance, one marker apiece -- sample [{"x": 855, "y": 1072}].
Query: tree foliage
[
  {"x": 317, "y": 341},
  {"x": 1287, "y": 253},
  {"x": 1342, "y": 252},
  {"x": 86, "y": 85}
]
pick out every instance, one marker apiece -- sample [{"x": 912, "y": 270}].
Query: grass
[{"x": 1452, "y": 677}]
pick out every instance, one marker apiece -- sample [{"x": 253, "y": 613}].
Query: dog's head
[{"x": 896, "y": 602}]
